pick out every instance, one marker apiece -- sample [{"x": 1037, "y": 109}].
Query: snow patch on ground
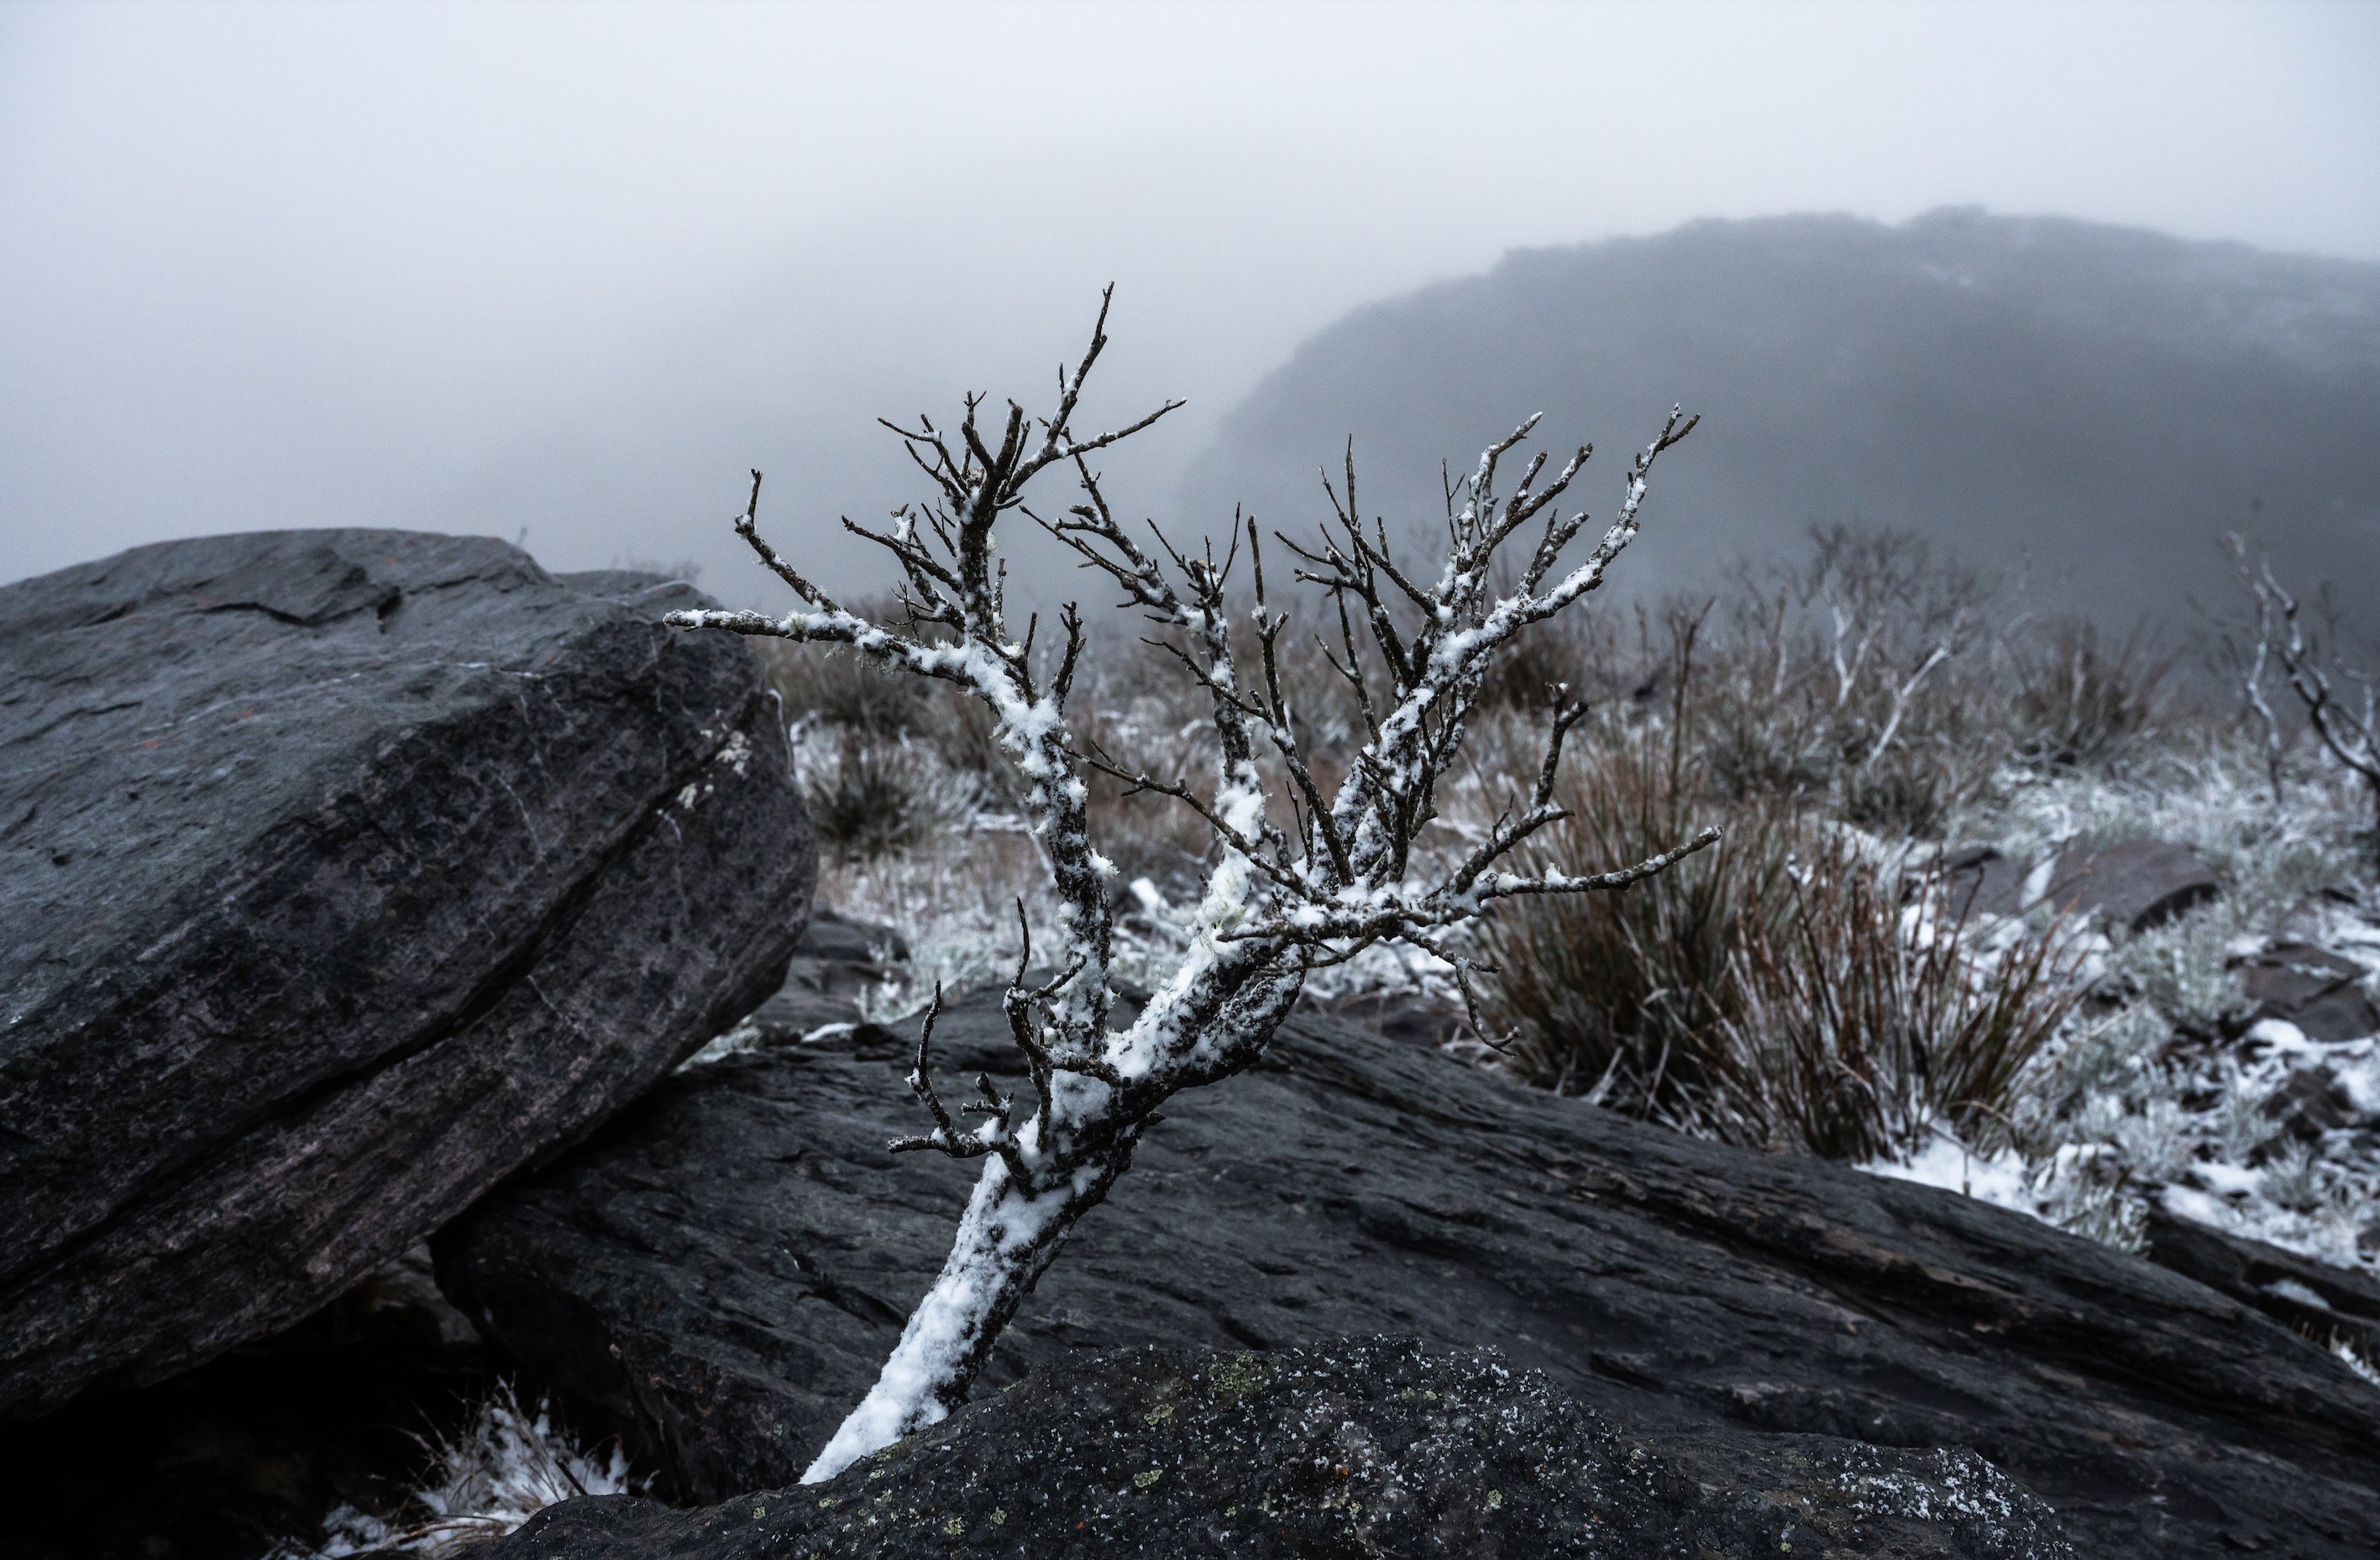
[{"x": 2002, "y": 1179}]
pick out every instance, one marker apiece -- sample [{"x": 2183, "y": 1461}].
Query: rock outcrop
[
  {"x": 2327, "y": 1304},
  {"x": 724, "y": 1267},
  {"x": 2319, "y": 991},
  {"x": 2133, "y": 885},
  {"x": 343, "y": 874},
  {"x": 1349, "y": 1450}
]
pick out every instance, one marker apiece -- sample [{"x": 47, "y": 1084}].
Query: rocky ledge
[
  {"x": 1351, "y": 1450},
  {"x": 724, "y": 1268}
]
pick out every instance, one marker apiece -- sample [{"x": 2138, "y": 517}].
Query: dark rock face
[
  {"x": 343, "y": 873},
  {"x": 2319, "y": 991},
  {"x": 2326, "y": 1303},
  {"x": 724, "y": 1267},
  {"x": 253, "y": 1447},
  {"x": 1353, "y": 1449}
]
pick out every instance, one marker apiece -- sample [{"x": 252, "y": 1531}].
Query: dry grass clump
[
  {"x": 480, "y": 1484},
  {"x": 1787, "y": 989},
  {"x": 883, "y": 766},
  {"x": 1861, "y": 1018},
  {"x": 1620, "y": 996}
]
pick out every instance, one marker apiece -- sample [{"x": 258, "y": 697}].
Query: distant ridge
[{"x": 2089, "y": 404}]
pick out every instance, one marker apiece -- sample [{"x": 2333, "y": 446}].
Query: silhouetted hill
[{"x": 2093, "y": 404}]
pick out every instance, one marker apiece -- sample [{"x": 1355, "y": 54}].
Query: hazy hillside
[{"x": 2090, "y": 403}]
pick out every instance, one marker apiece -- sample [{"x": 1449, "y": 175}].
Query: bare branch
[
  {"x": 1507, "y": 884},
  {"x": 1273, "y": 909},
  {"x": 946, "y": 1136}
]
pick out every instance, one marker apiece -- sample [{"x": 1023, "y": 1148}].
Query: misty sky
[{"x": 570, "y": 270}]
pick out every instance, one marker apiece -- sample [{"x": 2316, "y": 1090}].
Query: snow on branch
[
  {"x": 2349, "y": 728},
  {"x": 1281, "y": 901}
]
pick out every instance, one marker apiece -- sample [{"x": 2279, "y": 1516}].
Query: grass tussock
[
  {"x": 1791, "y": 988},
  {"x": 511, "y": 1463},
  {"x": 1864, "y": 1017}
]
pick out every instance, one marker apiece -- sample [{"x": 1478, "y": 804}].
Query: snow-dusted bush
[
  {"x": 2339, "y": 699},
  {"x": 1307, "y": 872}
]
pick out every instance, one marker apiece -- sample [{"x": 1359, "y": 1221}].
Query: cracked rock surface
[
  {"x": 1354, "y": 1448},
  {"x": 342, "y": 874},
  {"x": 724, "y": 1268}
]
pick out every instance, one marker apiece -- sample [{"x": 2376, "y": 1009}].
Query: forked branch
[{"x": 1355, "y": 870}]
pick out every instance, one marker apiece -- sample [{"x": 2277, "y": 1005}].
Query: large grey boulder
[
  {"x": 724, "y": 1268},
  {"x": 342, "y": 874}
]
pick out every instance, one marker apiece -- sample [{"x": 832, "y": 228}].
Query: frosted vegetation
[
  {"x": 503, "y": 1468},
  {"x": 1854, "y": 717}
]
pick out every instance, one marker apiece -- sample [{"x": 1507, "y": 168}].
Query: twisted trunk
[
  {"x": 1005, "y": 1239},
  {"x": 1216, "y": 1019}
]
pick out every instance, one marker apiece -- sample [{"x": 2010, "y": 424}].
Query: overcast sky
[{"x": 570, "y": 269}]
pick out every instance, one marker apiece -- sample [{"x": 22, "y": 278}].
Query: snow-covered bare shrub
[
  {"x": 2075, "y": 704},
  {"x": 2339, "y": 699},
  {"x": 1304, "y": 877}
]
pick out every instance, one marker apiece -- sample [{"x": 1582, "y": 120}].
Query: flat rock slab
[
  {"x": 2319, "y": 991},
  {"x": 342, "y": 874},
  {"x": 2327, "y": 1304},
  {"x": 2135, "y": 884},
  {"x": 1351, "y": 1450},
  {"x": 1979, "y": 881},
  {"x": 725, "y": 1266}
]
